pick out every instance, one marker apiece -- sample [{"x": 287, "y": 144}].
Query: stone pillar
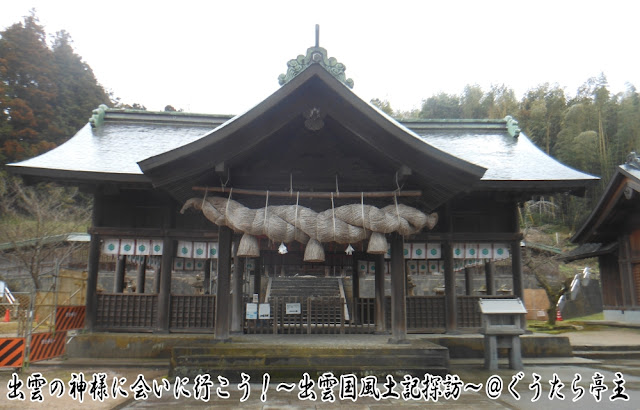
[
  {"x": 398, "y": 291},
  {"x": 489, "y": 273},
  {"x": 119, "y": 274},
  {"x": 449, "y": 289},
  {"x": 164, "y": 295},
  {"x": 142, "y": 273},
  {"x": 223, "y": 301},
  {"x": 380, "y": 317}
]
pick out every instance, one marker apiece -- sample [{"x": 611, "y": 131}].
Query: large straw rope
[{"x": 286, "y": 223}]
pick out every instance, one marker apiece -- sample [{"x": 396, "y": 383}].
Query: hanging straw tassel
[
  {"x": 314, "y": 252},
  {"x": 377, "y": 244},
  {"x": 249, "y": 246}
]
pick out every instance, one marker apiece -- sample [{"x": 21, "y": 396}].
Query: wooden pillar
[
  {"x": 398, "y": 291},
  {"x": 237, "y": 296},
  {"x": 256, "y": 277},
  {"x": 516, "y": 256},
  {"x": 449, "y": 289},
  {"x": 118, "y": 276},
  {"x": 468, "y": 281},
  {"x": 92, "y": 282},
  {"x": 489, "y": 273},
  {"x": 142, "y": 273},
  {"x": 156, "y": 279},
  {"x": 224, "y": 284},
  {"x": 206, "y": 281},
  {"x": 93, "y": 267},
  {"x": 625, "y": 269},
  {"x": 381, "y": 322},
  {"x": 516, "y": 269},
  {"x": 355, "y": 287},
  {"x": 164, "y": 295}
]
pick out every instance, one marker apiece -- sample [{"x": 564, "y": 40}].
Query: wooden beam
[
  {"x": 311, "y": 194},
  {"x": 153, "y": 233}
]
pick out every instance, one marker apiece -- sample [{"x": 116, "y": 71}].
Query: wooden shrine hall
[{"x": 314, "y": 183}]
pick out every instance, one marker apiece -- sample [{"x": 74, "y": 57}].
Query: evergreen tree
[
  {"x": 29, "y": 92},
  {"x": 78, "y": 90},
  {"x": 441, "y": 106},
  {"x": 46, "y": 95}
]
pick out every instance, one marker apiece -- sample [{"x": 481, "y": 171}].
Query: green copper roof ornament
[
  {"x": 512, "y": 126},
  {"x": 315, "y": 55},
  {"x": 97, "y": 116}
]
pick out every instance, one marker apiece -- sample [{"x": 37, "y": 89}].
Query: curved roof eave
[
  {"x": 79, "y": 176},
  {"x": 592, "y": 222},
  {"x": 461, "y": 170}
]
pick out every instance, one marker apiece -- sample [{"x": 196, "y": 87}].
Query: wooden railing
[
  {"x": 425, "y": 314},
  {"x": 312, "y": 315},
  {"x": 139, "y": 312},
  {"x": 126, "y": 311},
  {"x": 192, "y": 312}
]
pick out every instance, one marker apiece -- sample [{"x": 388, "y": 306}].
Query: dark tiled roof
[
  {"x": 128, "y": 137},
  {"x": 124, "y": 139},
  {"x": 588, "y": 250},
  {"x": 505, "y": 157}
]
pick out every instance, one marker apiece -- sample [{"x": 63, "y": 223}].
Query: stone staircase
[
  {"x": 301, "y": 288},
  {"x": 304, "y": 287}
]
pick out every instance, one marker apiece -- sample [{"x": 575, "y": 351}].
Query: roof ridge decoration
[
  {"x": 633, "y": 160},
  {"x": 512, "y": 126},
  {"x": 97, "y": 118},
  {"x": 315, "y": 55}
]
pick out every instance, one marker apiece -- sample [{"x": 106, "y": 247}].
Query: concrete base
[
  {"x": 288, "y": 358},
  {"x": 624, "y": 316},
  {"x": 472, "y": 346},
  {"x": 157, "y": 346}
]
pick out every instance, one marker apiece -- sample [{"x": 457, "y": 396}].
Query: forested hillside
[{"x": 593, "y": 130}]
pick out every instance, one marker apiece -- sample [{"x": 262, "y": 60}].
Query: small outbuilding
[{"x": 612, "y": 234}]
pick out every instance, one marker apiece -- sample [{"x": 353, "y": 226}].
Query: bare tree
[
  {"x": 549, "y": 277},
  {"x": 33, "y": 218}
]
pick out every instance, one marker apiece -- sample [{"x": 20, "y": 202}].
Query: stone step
[
  {"x": 608, "y": 354},
  {"x": 289, "y": 362},
  {"x": 605, "y": 348}
]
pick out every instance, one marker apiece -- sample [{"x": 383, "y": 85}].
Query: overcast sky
[{"x": 225, "y": 56}]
